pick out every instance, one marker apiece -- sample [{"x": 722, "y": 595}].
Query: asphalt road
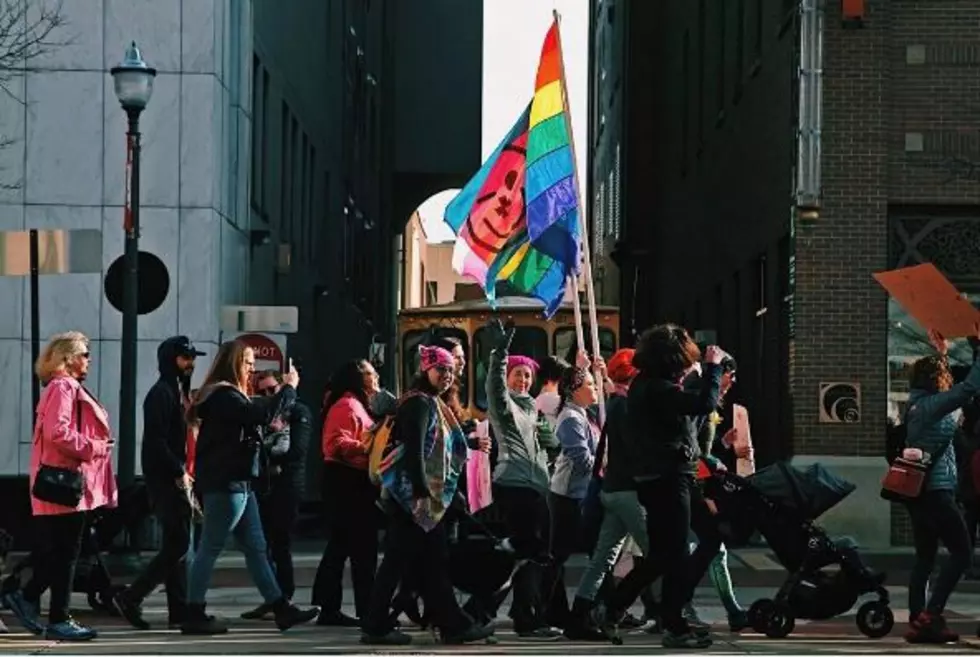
[{"x": 837, "y": 636}]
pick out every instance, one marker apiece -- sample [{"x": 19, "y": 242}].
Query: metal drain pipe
[{"x": 810, "y": 118}]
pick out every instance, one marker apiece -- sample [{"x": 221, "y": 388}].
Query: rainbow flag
[{"x": 517, "y": 219}]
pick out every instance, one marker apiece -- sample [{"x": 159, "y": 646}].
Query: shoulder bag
[
  {"x": 905, "y": 480},
  {"x": 61, "y": 486}
]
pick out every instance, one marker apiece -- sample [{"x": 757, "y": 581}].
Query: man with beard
[{"x": 164, "y": 458}]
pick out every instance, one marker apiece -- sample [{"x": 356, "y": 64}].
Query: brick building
[{"x": 775, "y": 154}]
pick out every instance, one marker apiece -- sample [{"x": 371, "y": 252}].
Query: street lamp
[{"x": 133, "y": 81}]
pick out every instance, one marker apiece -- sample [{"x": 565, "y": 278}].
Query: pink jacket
[
  {"x": 344, "y": 432},
  {"x": 63, "y": 439}
]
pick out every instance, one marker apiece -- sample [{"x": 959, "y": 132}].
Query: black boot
[
  {"x": 579, "y": 625},
  {"x": 289, "y": 615},
  {"x": 198, "y": 622}
]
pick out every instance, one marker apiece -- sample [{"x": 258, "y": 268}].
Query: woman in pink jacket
[
  {"x": 71, "y": 435},
  {"x": 348, "y": 495}
]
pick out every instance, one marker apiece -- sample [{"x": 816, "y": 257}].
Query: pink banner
[{"x": 478, "y": 483}]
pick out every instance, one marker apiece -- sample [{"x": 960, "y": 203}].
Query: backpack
[
  {"x": 376, "y": 452},
  {"x": 380, "y": 441}
]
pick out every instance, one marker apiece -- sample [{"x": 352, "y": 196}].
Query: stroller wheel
[
  {"x": 781, "y": 622},
  {"x": 759, "y": 614},
  {"x": 875, "y": 619}
]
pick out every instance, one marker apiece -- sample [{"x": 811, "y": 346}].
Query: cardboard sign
[
  {"x": 740, "y": 422},
  {"x": 931, "y": 299}
]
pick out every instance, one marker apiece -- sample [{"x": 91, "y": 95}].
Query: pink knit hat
[
  {"x": 522, "y": 361},
  {"x": 431, "y": 357}
]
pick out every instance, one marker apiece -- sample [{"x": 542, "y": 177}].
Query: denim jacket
[
  {"x": 573, "y": 469},
  {"x": 932, "y": 421}
]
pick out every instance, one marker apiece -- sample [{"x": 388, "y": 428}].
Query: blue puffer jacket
[{"x": 932, "y": 421}]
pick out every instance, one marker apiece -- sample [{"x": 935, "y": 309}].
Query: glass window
[
  {"x": 410, "y": 355},
  {"x": 565, "y": 341},
  {"x": 528, "y": 341},
  {"x": 907, "y": 342}
]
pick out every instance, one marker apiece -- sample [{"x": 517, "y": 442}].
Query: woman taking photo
[
  {"x": 349, "y": 496},
  {"x": 228, "y": 446},
  {"x": 73, "y": 443}
]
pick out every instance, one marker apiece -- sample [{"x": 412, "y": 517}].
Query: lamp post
[{"x": 133, "y": 81}]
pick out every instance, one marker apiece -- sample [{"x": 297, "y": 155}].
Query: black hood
[{"x": 167, "y": 354}]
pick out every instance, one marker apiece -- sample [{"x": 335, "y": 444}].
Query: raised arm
[{"x": 497, "y": 395}]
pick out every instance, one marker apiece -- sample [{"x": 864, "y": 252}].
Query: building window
[
  {"x": 598, "y": 220},
  {"x": 761, "y": 303},
  {"x": 739, "y": 49},
  {"x": 314, "y": 211},
  {"x": 949, "y": 243},
  {"x": 617, "y": 191},
  {"x": 722, "y": 28},
  {"x": 304, "y": 194},
  {"x": 702, "y": 52},
  {"x": 285, "y": 174},
  {"x": 685, "y": 100},
  {"x": 295, "y": 179},
  {"x": 431, "y": 293},
  {"x": 258, "y": 135}
]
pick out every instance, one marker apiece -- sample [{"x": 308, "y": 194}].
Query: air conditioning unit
[{"x": 840, "y": 403}]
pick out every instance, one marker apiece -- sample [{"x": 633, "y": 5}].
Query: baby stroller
[
  {"x": 480, "y": 566},
  {"x": 782, "y": 503}
]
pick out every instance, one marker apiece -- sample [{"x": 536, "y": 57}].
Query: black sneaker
[
  {"x": 690, "y": 640},
  {"x": 392, "y": 638},
  {"x": 262, "y": 612},
  {"x": 543, "y": 633},
  {"x": 472, "y": 634},
  {"x": 289, "y": 615},
  {"x": 129, "y": 609},
  {"x": 336, "y": 619}
]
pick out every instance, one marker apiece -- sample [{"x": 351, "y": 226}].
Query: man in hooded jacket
[{"x": 164, "y": 459}]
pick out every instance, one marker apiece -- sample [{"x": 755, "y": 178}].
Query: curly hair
[
  {"x": 931, "y": 374},
  {"x": 665, "y": 351},
  {"x": 572, "y": 379}
]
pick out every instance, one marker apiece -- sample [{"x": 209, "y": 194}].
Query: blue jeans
[{"x": 228, "y": 513}]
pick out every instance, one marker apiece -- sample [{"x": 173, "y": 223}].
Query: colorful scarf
[{"x": 443, "y": 456}]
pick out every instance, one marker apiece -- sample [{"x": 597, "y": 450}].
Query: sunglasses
[
  {"x": 267, "y": 391},
  {"x": 86, "y": 355}
]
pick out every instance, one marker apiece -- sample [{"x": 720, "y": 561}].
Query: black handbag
[{"x": 61, "y": 486}]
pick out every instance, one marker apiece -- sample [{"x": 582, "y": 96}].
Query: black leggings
[
  {"x": 674, "y": 504},
  {"x": 525, "y": 511},
  {"x": 935, "y": 517},
  {"x": 352, "y": 518},
  {"x": 58, "y": 540}
]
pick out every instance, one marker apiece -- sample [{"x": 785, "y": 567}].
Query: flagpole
[
  {"x": 577, "y": 306},
  {"x": 587, "y": 261}
]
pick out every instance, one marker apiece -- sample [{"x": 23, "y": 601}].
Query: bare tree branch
[{"x": 25, "y": 35}]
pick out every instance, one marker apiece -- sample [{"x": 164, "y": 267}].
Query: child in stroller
[{"x": 781, "y": 503}]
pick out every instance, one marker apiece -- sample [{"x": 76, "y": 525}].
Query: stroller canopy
[{"x": 811, "y": 492}]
